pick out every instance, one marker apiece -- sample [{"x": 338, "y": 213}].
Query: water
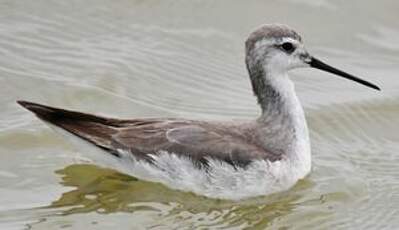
[{"x": 132, "y": 58}]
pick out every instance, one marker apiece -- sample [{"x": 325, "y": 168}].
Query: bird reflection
[{"x": 101, "y": 190}]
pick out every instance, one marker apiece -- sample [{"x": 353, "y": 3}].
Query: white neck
[{"x": 283, "y": 119}]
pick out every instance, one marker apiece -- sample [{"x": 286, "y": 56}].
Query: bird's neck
[
  {"x": 277, "y": 97},
  {"x": 282, "y": 122}
]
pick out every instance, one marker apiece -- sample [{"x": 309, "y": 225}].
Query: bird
[{"x": 218, "y": 159}]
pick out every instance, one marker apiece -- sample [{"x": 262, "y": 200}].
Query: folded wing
[{"x": 199, "y": 141}]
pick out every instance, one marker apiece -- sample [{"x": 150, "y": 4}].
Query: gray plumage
[
  {"x": 198, "y": 140},
  {"x": 270, "y": 31}
]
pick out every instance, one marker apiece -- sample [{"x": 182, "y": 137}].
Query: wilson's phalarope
[{"x": 218, "y": 159}]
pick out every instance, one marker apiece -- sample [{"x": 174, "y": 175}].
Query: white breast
[{"x": 219, "y": 180}]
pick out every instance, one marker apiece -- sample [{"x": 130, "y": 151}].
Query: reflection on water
[
  {"x": 133, "y": 58},
  {"x": 106, "y": 191}
]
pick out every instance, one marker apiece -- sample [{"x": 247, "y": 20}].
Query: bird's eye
[{"x": 288, "y": 47}]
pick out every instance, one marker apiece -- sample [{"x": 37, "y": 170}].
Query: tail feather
[{"x": 95, "y": 129}]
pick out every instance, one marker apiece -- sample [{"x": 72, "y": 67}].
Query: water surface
[{"x": 132, "y": 58}]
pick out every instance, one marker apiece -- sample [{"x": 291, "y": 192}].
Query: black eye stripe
[{"x": 288, "y": 47}]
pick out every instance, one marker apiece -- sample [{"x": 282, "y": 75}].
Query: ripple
[
  {"x": 361, "y": 141},
  {"x": 140, "y": 58}
]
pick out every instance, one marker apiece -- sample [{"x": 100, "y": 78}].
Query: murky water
[{"x": 132, "y": 58}]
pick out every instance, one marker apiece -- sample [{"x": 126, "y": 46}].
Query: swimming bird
[{"x": 228, "y": 160}]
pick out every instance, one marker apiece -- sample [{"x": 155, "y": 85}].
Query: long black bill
[{"x": 315, "y": 63}]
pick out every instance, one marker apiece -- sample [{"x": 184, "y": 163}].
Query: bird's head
[{"x": 277, "y": 49}]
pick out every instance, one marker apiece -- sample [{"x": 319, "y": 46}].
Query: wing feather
[
  {"x": 198, "y": 141},
  {"x": 145, "y": 137}
]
